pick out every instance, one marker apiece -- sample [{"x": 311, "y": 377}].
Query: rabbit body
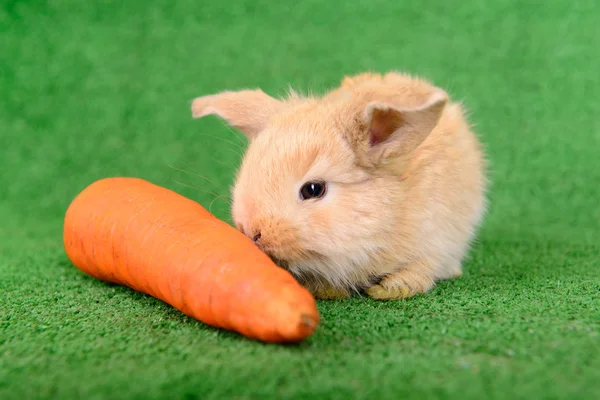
[{"x": 377, "y": 186}]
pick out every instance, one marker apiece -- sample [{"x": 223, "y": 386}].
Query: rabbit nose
[{"x": 256, "y": 237}]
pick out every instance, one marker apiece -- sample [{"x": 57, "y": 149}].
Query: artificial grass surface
[{"x": 95, "y": 89}]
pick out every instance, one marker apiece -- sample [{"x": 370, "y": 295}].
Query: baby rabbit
[{"x": 376, "y": 187}]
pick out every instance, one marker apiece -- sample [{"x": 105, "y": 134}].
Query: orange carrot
[{"x": 131, "y": 232}]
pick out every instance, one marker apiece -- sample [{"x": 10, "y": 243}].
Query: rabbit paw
[{"x": 400, "y": 285}]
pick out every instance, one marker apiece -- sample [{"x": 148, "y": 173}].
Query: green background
[{"x": 91, "y": 89}]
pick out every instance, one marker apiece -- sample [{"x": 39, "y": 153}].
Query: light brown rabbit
[{"x": 377, "y": 186}]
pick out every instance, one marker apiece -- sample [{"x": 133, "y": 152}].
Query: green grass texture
[{"x": 90, "y": 89}]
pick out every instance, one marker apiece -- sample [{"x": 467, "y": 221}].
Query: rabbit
[{"x": 376, "y": 187}]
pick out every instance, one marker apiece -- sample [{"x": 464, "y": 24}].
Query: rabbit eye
[{"x": 313, "y": 190}]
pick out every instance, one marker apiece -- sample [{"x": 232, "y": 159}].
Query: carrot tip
[{"x": 308, "y": 320}]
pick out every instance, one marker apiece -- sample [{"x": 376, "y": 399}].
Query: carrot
[{"x": 131, "y": 232}]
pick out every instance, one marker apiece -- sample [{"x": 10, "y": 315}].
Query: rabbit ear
[
  {"x": 397, "y": 131},
  {"x": 246, "y": 110}
]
